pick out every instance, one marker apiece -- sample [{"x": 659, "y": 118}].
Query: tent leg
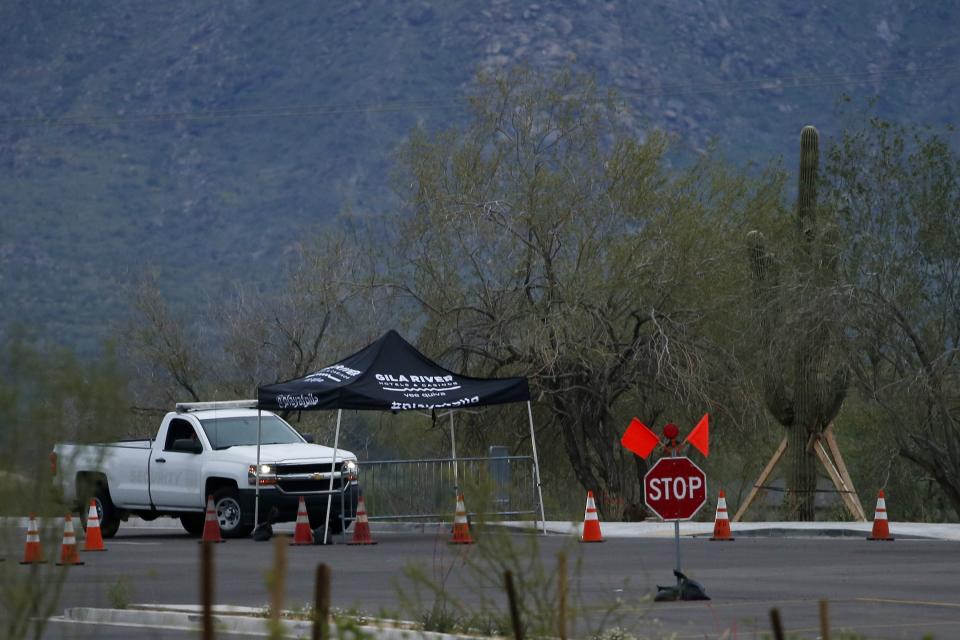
[
  {"x": 256, "y": 476},
  {"x": 536, "y": 468},
  {"x": 453, "y": 456},
  {"x": 333, "y": 468}
]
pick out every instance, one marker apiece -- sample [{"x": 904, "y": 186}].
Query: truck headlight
[
  {"x": 267, "y": 474},
  {"x": 350, "y": 469}
]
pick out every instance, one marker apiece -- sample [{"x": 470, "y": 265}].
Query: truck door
[{"x": 175, "y": 475}]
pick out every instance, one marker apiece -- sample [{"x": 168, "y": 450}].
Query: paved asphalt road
[{"x": 901, "y": 589}]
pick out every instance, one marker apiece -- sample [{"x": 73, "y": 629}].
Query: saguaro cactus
[{"x": 804, "y": 375}]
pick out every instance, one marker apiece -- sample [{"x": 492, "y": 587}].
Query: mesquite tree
[
  {"x": 897, "y": 191},
  {"x": 798, "y": 312},
  {"x": 544, "y": 239}
]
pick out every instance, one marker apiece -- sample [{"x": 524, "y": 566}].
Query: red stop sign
[{"x": 675, "y": 488}]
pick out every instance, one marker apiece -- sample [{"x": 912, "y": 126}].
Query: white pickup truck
[{"x": 210, "y": 449}]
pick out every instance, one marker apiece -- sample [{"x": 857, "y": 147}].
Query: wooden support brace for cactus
[
  {"x": 832, "y": 462},
  {"x": 764, "y": 475},
  {"x": 845, "y": 492}
]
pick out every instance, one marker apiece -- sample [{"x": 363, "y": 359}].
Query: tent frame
[{"x": 453, "y": 453}]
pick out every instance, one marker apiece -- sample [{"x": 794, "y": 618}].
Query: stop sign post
[{"x": 675, "y": 488}]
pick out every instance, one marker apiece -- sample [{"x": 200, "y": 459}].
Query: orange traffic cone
[
  {"x": 32, "y": 554},
  {"x": 881, "y": 527},
  {"x": 68, "y": 550},
  {"x": 361, "y": 527},
  {"x": 211, "y": 526},
  {"x": 591, "y": 523},
  {"x": 721, "y": 524},
  {"x": 461, "y": 530},
  {"x": 94, "y": 541},
  {"x": 302, "y": 533}
]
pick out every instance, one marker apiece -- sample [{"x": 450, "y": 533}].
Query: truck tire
[
  {"x": 106, "y": 512},
  {"x": 193, "y": 523},
  {"x": 226, "y": 501}
]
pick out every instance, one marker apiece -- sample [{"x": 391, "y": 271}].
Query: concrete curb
[
  {"x": 172, "y": 524},
  {"x": 235, "y": 620},
  {"x": 904, "y": 530},
  {"x": 649, "y": 529}
]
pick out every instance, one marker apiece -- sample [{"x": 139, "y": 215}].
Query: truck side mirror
[
  {"x": 187, "y": 445},
  {"x": 308, "y": 437}
]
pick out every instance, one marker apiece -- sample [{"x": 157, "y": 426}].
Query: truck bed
[
  {"x": 125, "y": 462},
  {"x": 144, "y": 443}
]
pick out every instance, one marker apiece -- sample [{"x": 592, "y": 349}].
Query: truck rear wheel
[
  {"x": 226, "y": 501},
  {"x": 106, "y": 513}
]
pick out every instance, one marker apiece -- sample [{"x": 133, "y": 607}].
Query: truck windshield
[{"x": 237, "y": 432}]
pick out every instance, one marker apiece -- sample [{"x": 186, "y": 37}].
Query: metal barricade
[{"x": 423, "y": 489}]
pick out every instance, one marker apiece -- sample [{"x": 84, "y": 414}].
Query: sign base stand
[{"x": 685, "y": 589}]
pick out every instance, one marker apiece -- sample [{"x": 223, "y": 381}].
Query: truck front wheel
[{"x": 230, "y": 514}]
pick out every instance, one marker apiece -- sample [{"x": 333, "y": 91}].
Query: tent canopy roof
[{"x": 389, "y": 375}]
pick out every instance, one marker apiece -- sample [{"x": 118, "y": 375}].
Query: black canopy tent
[{"x": 392, "y": 375}]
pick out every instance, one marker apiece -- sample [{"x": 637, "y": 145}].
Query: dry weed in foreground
[{"x": 463, "y": 590}]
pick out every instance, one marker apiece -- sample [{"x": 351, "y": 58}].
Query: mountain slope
[{"x": 208, "y": 140}]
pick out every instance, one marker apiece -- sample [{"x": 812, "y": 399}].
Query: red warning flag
[
  {"x": 700, "y": 436},
  {"x": 640, "y": 439}
]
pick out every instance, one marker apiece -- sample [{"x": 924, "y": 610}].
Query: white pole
[
  {"x": 453, "y": 454},
  {"x": 536, "y": 468},
  {"x": 256, "y": 477},
  {"x": 333, "y": 467}
]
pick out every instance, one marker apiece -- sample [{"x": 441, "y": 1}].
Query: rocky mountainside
[{"x": 206, "y": 141}]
